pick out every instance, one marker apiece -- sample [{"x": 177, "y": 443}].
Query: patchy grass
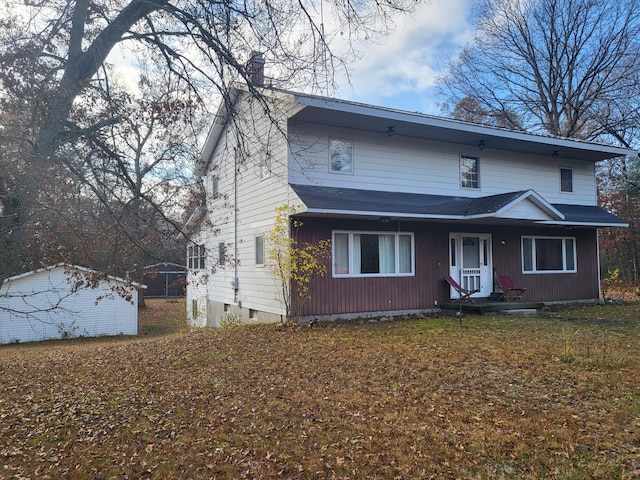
[
  {"x": 162, "y": 317},
  {"x": 498, "y": 397}
]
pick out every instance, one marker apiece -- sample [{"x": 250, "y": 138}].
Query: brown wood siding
[
  {"x": 546, "y": 287},
  {"x": 376, "y": 294}
]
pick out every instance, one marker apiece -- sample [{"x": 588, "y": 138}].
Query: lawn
[{"x": 553, "y": 396}]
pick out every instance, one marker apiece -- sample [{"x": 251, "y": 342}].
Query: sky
[{"x": 401, "y": 71}]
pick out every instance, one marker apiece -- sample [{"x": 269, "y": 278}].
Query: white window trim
[
  {"x": 196, "y": 257},
  {"x": 477, "y": 158},
  {"x": 353, "y": 167},
  {"x": 533, "y": 254},
  {"x": 215, "y": 185},
  {"x": 255, "y": 251},
  {"x": 222, "y": 253},
  {"x": 368, "y": 275},
  {"x": 573, "y": 188}
]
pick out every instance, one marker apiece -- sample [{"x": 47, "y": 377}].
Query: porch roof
[{"x": 499, "y": 209}]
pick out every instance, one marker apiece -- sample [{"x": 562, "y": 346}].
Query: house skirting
[
  {"x": 220, "y": 313},
  {"x": 353, "y": 316}
]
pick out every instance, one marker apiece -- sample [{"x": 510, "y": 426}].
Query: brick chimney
[{"x": 255, "y": 69}]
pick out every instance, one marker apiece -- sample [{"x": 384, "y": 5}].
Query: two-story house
[{"x": 406, "y": 200}]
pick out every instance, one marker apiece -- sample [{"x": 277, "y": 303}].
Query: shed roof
[{"x": 70, "y": 267}]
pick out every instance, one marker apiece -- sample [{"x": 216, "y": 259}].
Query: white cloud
[{"x": 408, "y": 62}]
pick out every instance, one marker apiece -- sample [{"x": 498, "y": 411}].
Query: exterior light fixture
[
  {"x": 391, "y": 131},
  {"x": 481, "y": 145},
  {"x": 385, "y": 219}
]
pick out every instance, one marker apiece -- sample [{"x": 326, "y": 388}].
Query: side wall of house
[
  {"x": 249, "y": 165},
  {"x": 51, "y": 310},
  {"x": 411, "y": 165},
  {"x": 427, "y": 289}
]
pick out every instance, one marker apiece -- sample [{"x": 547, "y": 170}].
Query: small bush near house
[{"x": 421, "y": 398}]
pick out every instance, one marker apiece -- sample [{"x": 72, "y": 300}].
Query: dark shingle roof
[{"x": 351, "y": 201}]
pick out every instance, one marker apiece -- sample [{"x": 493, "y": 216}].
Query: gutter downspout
[
  {"x": 235, "y": 225},
  {"x": 598, "y": 255}
]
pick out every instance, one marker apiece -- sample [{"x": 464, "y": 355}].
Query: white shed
[{"x": 64, "y": 301}]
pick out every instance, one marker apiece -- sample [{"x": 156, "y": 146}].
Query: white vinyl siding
[
  {"x": 383, "y": 254},
  {"x": 238, "y": 217},
  {"x": 59, "y": 305},
  {"x": 411, "y": 165}
]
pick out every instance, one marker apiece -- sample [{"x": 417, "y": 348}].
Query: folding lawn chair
[
  {"x": 511, "y": 292},
  {"x": 465, "y": 295}
]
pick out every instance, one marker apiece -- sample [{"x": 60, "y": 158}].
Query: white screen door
[{"x": 470, "y": 262}]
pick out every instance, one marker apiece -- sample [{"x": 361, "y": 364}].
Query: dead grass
[{"x": 554, "y": 396}]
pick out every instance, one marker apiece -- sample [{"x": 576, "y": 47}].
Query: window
[
  {"x": 265, "y": 165},
  {"x": 548, "y": 254},
  {"x": 340, "y": 156},
  {"x": 195, "y": 257},
  {"x": 260, "y": 250},
  {"x": 469, "y": 171},
  {"x": 372, "y": 254},
  {"x": 566, "y": 180},
  {"x": 222, "y": 252},
  {"x": 214, "y": 186}
]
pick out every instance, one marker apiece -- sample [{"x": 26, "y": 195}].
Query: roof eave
[
  {"x": 459, "y": 218},
  {"x": 216, "y": 131},
  {"x": 591, "y": 151}
]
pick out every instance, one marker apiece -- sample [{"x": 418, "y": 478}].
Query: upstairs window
[
  {"x": 469, "y": 171},
  {"x": 214, "y": 186},
  {"x": 340, "y": 156},
  {"x": 259, "y": 251},
  {"x": 566, "y": 180},
  {"x": 265, "y": 165},
  {"x": 549, "y": 255},
  {"x": 222, "y": 253},
  {"x": 195, "y": 257},
  {"x": 385, "y": 254}
]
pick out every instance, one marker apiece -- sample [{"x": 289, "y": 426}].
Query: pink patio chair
[
  {"x": 511, "y": 292},
  {"x": 465, "y": 295}
]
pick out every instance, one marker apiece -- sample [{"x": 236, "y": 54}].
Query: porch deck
[{"x": 482, "y": 306}]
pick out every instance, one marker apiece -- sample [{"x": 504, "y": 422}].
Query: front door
[{"x": 470, "y": 262}]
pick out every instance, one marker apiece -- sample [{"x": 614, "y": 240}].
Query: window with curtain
[
  {"x": 548, "y": 255},
  {"x": 358, "y": 254}
]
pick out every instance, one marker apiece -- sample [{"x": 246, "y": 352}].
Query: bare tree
[
  {"x": 56, "y": 71},
  {"x": 562, "y": 67},
  {"x": 567, "y": 68}
]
